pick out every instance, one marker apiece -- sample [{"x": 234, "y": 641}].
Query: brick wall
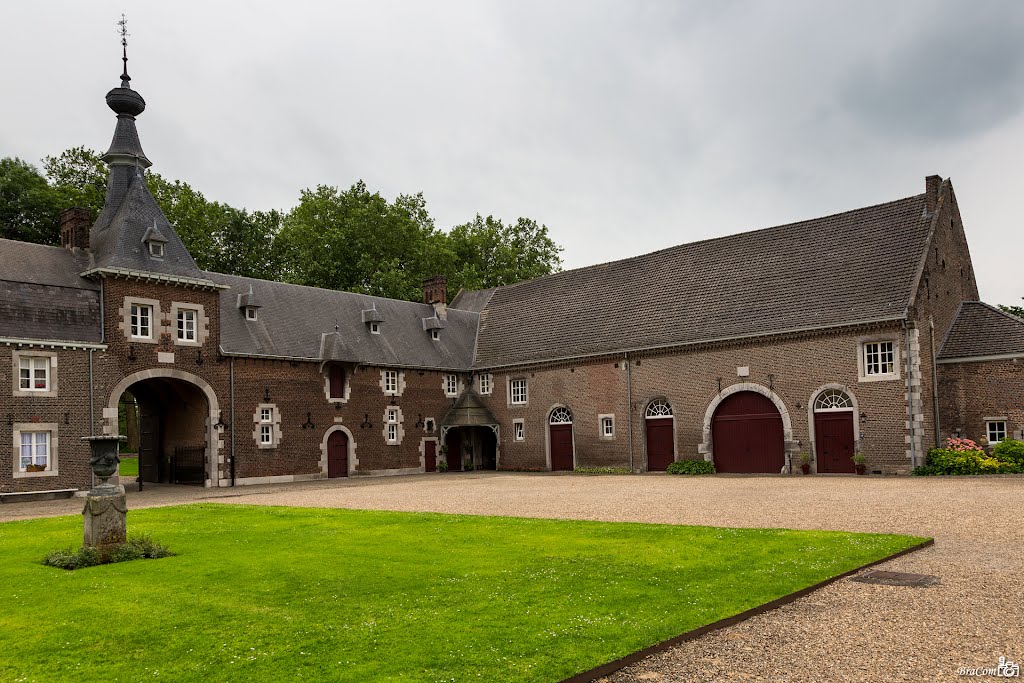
[
  {"x": 689, "y": 381},
  {"x": 971, "y": 392}
]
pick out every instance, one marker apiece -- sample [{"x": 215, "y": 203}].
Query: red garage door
[
  {"x": 747, "y": 436},
  {"x": 560, "y": 424}
]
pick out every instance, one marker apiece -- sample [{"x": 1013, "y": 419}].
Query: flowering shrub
[{"x": 955, "y": 444}]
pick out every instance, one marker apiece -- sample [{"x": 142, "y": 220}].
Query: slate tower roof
[{"x": 131, "y": 218}]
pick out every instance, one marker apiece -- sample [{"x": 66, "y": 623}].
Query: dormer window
[
  {"x": 435, "y": 334},
  {"x": 374, "y": 328},
  {"x": 373, "y": 318},
  {"x": 248, "y": 305},
  {"x": 154, "y": 241},
  {"x": 433, "y": 326},
  {"x": 250, "y": 312},
  {"x": 156, "y": 249}
]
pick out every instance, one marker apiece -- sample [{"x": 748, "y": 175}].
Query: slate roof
[
  {"x": 472, "y": 300},
  {"x": 469, "y": 411},
  {"x": 42, "y": 295},
  {"x": 117, "y": 238},
  {"x": 299, "y": 322},
  {"x": 982, "y": 330},
  {"x": 851, "y": 267}
]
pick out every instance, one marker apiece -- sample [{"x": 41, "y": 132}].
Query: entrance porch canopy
[{"x": 469, "y": 411}]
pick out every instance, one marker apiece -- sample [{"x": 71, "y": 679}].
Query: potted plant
[
  {"x": 859, "y": 463},
  {"x": 805, "y": 463},
  {"x": 442, "y": 466}
]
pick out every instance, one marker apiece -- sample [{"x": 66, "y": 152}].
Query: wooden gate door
[
  {"x": 430, "y": 456},
  {"x": 660, "y": 444},
  {"x": 747, "y": 435},
  {"x": 833, "y": 441},
  {"x": 561, "y": 447},
  {"x": 149, "y": 442},
  {"x": 337, "y": 454}
]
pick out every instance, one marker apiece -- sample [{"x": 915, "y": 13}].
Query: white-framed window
[
  {"x": 519, "y": 430},
  {"x": 34, "y": 454},
  {"x": 486, "y": 384},
  {"x": 435, "y": 334},
  {"x": 391, "y": 419},
  {"x": 266, "y": 426},
  {"x": 142, "y": 321},
  {"x": 451, "y": 385},
  {"x": 187, "y": 320},
  {"x": 156, "y": 249},
  {"x": 34, "y": 373},
  {"x": 374, "y": 328},
  {"x": 267, "y": 431},
  {"x": 518, "y": 392},
  {"x": 995, "y": 430},
  {"x": 607, "y": 426},
  {"x": 250, "y": 313},
  {"x": 391, "y": 381},
  {"x": 879, "y": 358}
]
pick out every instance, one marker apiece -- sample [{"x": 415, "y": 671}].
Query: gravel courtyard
[{"x": 848, "y": 631}]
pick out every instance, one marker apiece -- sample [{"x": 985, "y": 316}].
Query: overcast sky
[{"x": 623, "y": 126}]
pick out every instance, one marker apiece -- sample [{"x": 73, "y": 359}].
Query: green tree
[
  {"x": 29, "y": 207},
  {"x": 489, "y": 253},
  {"x": 1014, "y": 310},
  {"x": 79, "y": 178}
]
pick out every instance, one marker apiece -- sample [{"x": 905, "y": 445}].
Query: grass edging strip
[{"x": 634, "y": 657}]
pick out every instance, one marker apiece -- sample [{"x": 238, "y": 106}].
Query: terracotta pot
[
  {"x": 805, "y": 468},
  {"x": 861, "y": 469}
]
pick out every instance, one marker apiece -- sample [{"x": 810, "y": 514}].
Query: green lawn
[
  {"x": 129, "y": 466},
  {"x": 274, "y": 594}
]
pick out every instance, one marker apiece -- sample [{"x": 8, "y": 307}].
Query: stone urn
[{"x": 105, "y": 514}]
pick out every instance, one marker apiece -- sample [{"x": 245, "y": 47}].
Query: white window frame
[
  {"x": 873, "y": 348},
  {"x": 32, "y": 441},
  {"x": 486, "y": 384},
  {"x": 391, "y": 382},
  {"x": 374, "y": 328},
  {"x": 989, "y": 431},
  {"x": 451, "y": 385},
  {"x": 182, "y": 325},
  {"x": 606, "y": 426},
  {"x": 518, "y": 398},
  {"x": 518, "y": 430},
  {"x": 391, "y": 420},
  {"x": 135, "y": 320},
  {"x": 33, "y": 432},
  {"x": 34, "y": 365},
  {"x": 156, "y": 249},
  {"x": 251, "y": 313},
  {"x": 267, "y": 428},
  {"x": 435, "y": 334}
]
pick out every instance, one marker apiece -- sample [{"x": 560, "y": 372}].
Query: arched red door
[
  {"x": 834, "y": 432},
  {"x": 337, "y": 454},
  {"x": 660, "y": 428},
  {"x": 747, "y": 435},
  {"x": 560, "y": 425}
]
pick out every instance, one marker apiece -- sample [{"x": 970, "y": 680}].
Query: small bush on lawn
[
  {"x": 691, "y": 467},
  {"x": 1010, "y": 450},
  {"x": 602, "y": 470},
  {"x": 140, "y": 547},
  {"x": 962, "y": 456}
]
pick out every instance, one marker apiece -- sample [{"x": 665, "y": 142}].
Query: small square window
[
  {"x": 517, "y": 390},
  {"x": 519, "y": 431},
  {"x": 996, "y": 431},
  {"x": 266, "y": 415},
  {"x": 142, "y": 321},
  {"x": 486, "y": 384},
  {"x": 374, "y": 328},
  {"x": 34, "y": 374},
  {"x": 435, "y": 334},
  {"x": 250, "y": 313},
  {"x": 607, "y": 427},
  {"x": 156, "y": 249},
  {"x": 451, "y": 385},
  {"x": 187, "y": 324}
]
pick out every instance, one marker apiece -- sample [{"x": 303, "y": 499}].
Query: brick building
[{"x": 854, "y": 332}]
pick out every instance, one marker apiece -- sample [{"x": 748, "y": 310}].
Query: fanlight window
[
  {"x": 832, "y": 399},
  {"x": 560, "y": 416},
  {"x": 659, "y": 408}
]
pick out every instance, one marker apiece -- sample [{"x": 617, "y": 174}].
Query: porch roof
[{"x": 469, "y": 411}]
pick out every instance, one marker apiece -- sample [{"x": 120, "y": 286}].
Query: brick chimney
[
  {"x": 435, "y": 293},
  {"x": 74, "y": 227},
  {"x": 932, "y": 184}
]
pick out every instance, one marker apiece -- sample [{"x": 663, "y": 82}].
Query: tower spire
[{"x": 123, "y": 30}]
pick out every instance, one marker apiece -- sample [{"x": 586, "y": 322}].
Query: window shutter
[{"x": 337, "y": 381}]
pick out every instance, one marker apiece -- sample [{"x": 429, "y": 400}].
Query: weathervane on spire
[{"x": 123, "y": 30}]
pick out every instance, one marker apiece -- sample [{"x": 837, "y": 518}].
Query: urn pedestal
[{"x": 104, "y": 518}]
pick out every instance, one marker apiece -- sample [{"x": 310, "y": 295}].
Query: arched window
[
  {"x": 832, "y": 399},
  {"x": 659, "y": 407},
  {"x": 560, "y": 416}
]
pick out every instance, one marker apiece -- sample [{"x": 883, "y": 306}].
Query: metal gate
[{"x": 188, "y": 465}]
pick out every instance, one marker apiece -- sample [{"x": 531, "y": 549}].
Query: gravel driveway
[{"x": 847, "y": 631}]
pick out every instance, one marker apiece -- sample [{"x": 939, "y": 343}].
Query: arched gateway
[
  {"x": 179, "y": 441},
  {"x": 747, "y": 435}
]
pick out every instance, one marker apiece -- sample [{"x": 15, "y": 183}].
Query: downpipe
[
  {"x": 629, "y": 404},
  {"x": 231, "y": 400}
]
